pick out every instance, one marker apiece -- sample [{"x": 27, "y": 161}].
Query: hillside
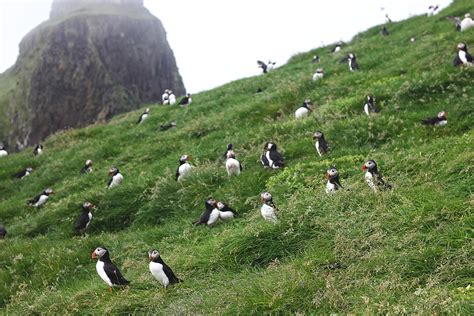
[{"x": 404, "y": 251}]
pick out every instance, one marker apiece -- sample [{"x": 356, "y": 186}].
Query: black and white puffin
[
  {"x": 41, "y": 198},
  {"x": 160, "y": 270},
  {"x": 225, "y": 212},
  {"x": 304, "y": 109},
  {"x": 333, "y": 184},
  {"x": 262, "y": 65},
  {"x": 3, "y": 151},
  {"x": 165, "y": 97},
  {"x": 184, "y": 167},
  {"x": 353, "y": 66},
  {"x": 316, "y": 59},
  {"x": 373, "y": 176},
  {"x": 167, "y": 126},
  {"x": 318, "y": 74},
  {"x": 210, "y": 216},
  {"x": 24, "y": 173},
  {"x": 87, "y": 167},
  {"x": 463, "y": 58},
  {"x": 369, "y": 106},
  {"x": 275, "y": 159},
  {"x": 143, "y": 116},
  {"x": 116, "y": 177},
  {"x": 107, "y": 270},
  {"x": 336, "y": 48},
  {"x": 3, "y": 231},
  {"x": 229, "y": 148},
  {"x": 263, "y": 156},
  {"x": 440, "y": 120},
  {"x": 232, "y": 165},
  {"x": 171, "y": 97},
  {"x": 385, "y": 31},
  {"x": 321, "y": 145},
  {"x": 185, "y": 101},
  {"x": 38, "y": 150},
  {"x": 268, "y": 209},
  {"x": 84, "y": 218}
]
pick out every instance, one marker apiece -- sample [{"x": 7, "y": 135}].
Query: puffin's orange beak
[
  {"x": 364, "y": 168},
  {"x": 327, "y": 176},
  {"x": 93, "y": 256}
]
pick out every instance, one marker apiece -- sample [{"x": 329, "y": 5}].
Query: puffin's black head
[
  {"x": 370, "y": 98},
  {"x": 113, "y": 171},
  {"x": 184, "y": 158},
  {"x": 307, "y": 104},
  {"x": 153, "y": 255},
  {"x": 266, "y": 197},
  {"x": 442, "y": 115},
  {"x": 271, "y": 146},
  {"x": 332, "y": 173},
  {"x": 462, "y": 46},
  {"x": 318, "y": 135},
  {"x": 87, "y": 206},
  {"x": 230, "y": 146},
  {"x": 369, "y": 165},
  {"x": 188, "y": 95},
  {"x": 211, "y": 201},
  {"x": 100, "y": 252},
  {"x": 88, "y": 163}
]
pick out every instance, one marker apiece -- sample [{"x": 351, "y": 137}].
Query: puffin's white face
[
  {"x": 220, "y": 205},
  {"x": 441, "y": 114},
  {"x": 320, "y": 70},
  {"x": 265, "y": 197},
  {"x": 49, "y": 191},
  {"x": 330, "y": 173},
  {"x": 88, "y": 205},
  {"x": 317, "y": 135},
  {"x": 89, "y": 162},
  {"x": 29, "y": 169},
  {"x": 112, "y": 170},
  {"x": 147, "y": 110},
  {"x": 184, "y": 158},
  {"x": 270, "y": 146},
  {"x": 369, "y": 164},
  {"x": 98, "y": 252},
  {"x": 461, "y": 46},
  {"x": 351, "y": 56},
  {"x": 153, "y": 254}
]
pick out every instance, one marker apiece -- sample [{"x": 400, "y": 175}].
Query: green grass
[{"x": 407, "y": 251}]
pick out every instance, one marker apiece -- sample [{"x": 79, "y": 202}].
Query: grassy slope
[{"x": 405, "y": 251}]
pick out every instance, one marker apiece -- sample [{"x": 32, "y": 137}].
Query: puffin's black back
[
  {"x": 169, "y": 273},
  {"x": 113, "y": 273}
]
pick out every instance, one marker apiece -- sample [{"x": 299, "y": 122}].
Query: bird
[
  {"x": 463, "y": 58},
  {"x": 225, "y": 212},
  {"x": 167, "y": 126},
  {"x": 230, "y": 147},
  {"x": 232, "y": 165},
  {"x": 321, "y": 145},
  {"x": 268, "y": 209},
  {"x": 87, "y": 167},
  {"x": 116, "y": 177},
  {"x": 210, "y": 216},
  {"x": 143, "y": 116},
  {"x": 3, "y": 151},
  {"x": 336, "y": 48},
  {"x": 185, "y": 101},
  {"x": 369, "y": 106},
  {"x": 385, "y": 31},
  {"x": 270, "y": 65},
  {"x": 262, "y": 65},
  {"x": 353, "y": 66},
  {"x": 107, "y": 270},
  {"x": 165, "y": 97},
  {"x": 440, "y": 120},
  {"x": 171, "y": 97},
  {"x": 24, "y": 173},
  {"x": 184, "y": 167},
  {"x": 315, "y": 59},
  {"x": 333, "y": 184},
  {"x": 84, "y": 218},
  {"x": 160, "y": 270},
  {"x": 3, "y": 231},
  {"x": 304, "y": 109},
  {"x": 373, "y": 176},
  {"x": 432, "y": 10},
  {"x": 275, "y": 160},
  {"x": 318, "y": 74},
  {"x": 41, "y": 198},
  {"x": 38, "y": 151},
  {"x": 466, "y": 23},
  {"x": 263, "y": 156}
]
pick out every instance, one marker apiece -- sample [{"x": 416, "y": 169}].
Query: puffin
[
  {"x": 353, "y": 66},
  {"x": 185, "y": 101},
  {"x": 369, "y": 106},
  {"x": 336, "y": 48},
  {"x": 263, "y": 156},
  {"x": 143, "y": 116},
  {"x": 210, "y": 216},
  {"x": 440, "y": 120},
  {"x": 466, "y": 23},
  {"x": 38, "y": 150},
  {"x": 318, "y": 74},
  {"x": 160, "y": 270},
  {"x": 87, "y": 167},
  {"x": 275, "y": 160},
  {"x": 3, "y": 151},
  {"x": 116, "y": 177},
  {"x": 463, "y": 58},
  {"x": 230, "y": 147},
  {"x": 167, "y": 126},
  {"x": 184, "y": 167},
  {"x": 107, "y": 270},
  {"x": 3, "y": 231},
  {"x": 165, "y": 97},
  {"x": 84, "y": 218},
  {"x": 225, "y": 212},
  {"x": 262, "y": 65},
  {"x": 432, "y": 10},
  {"x": 232, "y": 165},
  {"x": 268, "y": 208},
  {"x": 385, "y": 31},
  {"x": 321, "y": 145},
  {"x": 24, "y": 173},
  {"x": 171, "y": 97},
  {"x": 333, "y": 184},
  {"x": 315, "y": 59},
  {"x": 304, "y": 109},
  {"x": 270, "y": 65},
  {"x": 373, "y": 176},
  {"x": 40, "y": 199}
]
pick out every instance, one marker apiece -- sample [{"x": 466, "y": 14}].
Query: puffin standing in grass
[
  {"x": 116, "y": 177},
  {"x": 336, "y": 48},
  {"x": 185, "y": 101},
  {"x": 41, "y": 198},
  {"x": 23, "y": 174},
  {"x": 369, "y": 106},
  {"x": 107, "y": 270},
  {"x": 160, "y": 270},
  {"x": 84, "y": 218},
  {"x": 270, "y": 65},
  {"x": 353, "y": 66},
  {"x": 321, "y": 145},
  {"x": 143, "y": 116},
  {"x": 373, "y": 176},
  {"x": 440, "y": 120},
  {"x": 318, "y": 74},
  {"x": 210, "y": 216},
  {"x": 304, "y": 109},
  {"x": 87, "y": 167},
  {"x": 463, "y": 58},
  {"x": 268, "y": 209},
  {"x": 3, "y": 232},
  {"x": 184, "y": 167},
  {"x": 232, "y": 165},
  {"x": 38, "y": 151},
  {"x": 333, "y": 184},
  {"x": 275, "y": 159},
  {"x": 225, "y": 212},
  {"x": 3, "y": 151}
]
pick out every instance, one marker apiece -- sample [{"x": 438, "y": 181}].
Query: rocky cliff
[{"x": 90, "y": 61}]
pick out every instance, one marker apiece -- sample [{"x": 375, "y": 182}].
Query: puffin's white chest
[
  {"x": 90, "y": 218},
  {"x": 330, "y": 187},
  {"x": 144, "y": 117},
  {"x": 39, "y": 151},
  {"x": 27, "y": 173},
  {"x": 172, "y": 99},
  {"x": 100, "y": 270},
  {"x": 233, "y": 166},
  {"x": 3, "y": 153},
  {"x": 268, "y": 213},
  {"x": 301, "y": 112},
  {"x": 213, "y": 217},
  {"x": 317, "y": 76},
  {"x": 157, "y": 271},
  {"x": 367, "y": 109},
  {"x": 316, "y": 145},
  {"x": 43, "y": 198},
  {"x": 183, "y": 170},
  {"x": 441, "y": 123},
  {"x": 227, "y": 215},
  {"x": 116, "y": 180},
  {"x": 369, "y": 177}
]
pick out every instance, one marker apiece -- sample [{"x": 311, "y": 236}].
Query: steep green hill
[{"x": 406, "y": 251}]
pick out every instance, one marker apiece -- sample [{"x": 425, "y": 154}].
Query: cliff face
[{"x": 89, "y": 62}]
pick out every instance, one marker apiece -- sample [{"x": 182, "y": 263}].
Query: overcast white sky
[{"x": 217, "y": 41}]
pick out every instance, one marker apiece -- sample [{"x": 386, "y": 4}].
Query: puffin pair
[
  {"x": 84, "y": 218},
  {"x": 184, "y": 167},
  {"x": 321, "y": 145},
  {"x": 353, "y": 66},
  {"x": 271, "y": 157},
  {"x": 318, "y": 74},
  {"x": 168, "y": 97},
  {"x": 266, "y": 67},
  {"x": 38, "y": 151},
  {"x": 215, "y": 210},
  {"x": 440, "y": 120},
  {"x": 374, "y": 177},
  {"x": 463, "y": 58},
  {"x": 3, "y": 151},
  {"x": 23, "y": 174},
  {"x": 41, "y": 198},
  {"x": 268, "y": 209},
  {"x": 116, "y": 177},
  {"x": 143, "y": 116},
  {"x": 369, "y": 106},
  {"x": 232, "y": 165},
  {"x": 304, "y": 109},
  {"x": 87, "y": 167}
]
